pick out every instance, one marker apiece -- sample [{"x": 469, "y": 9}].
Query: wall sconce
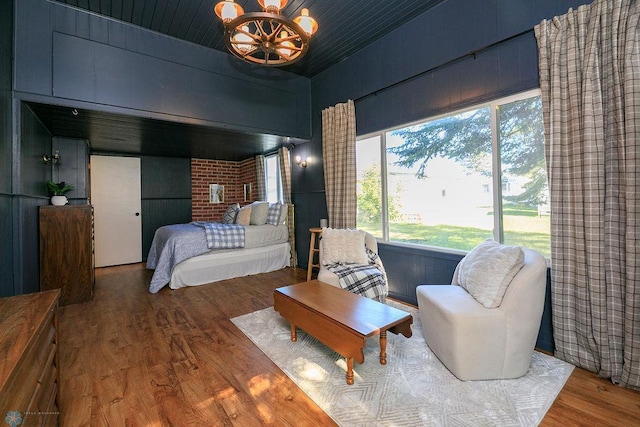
[
  {"x": 301, "y": 163},
  {"x": 54, "y": 158}
]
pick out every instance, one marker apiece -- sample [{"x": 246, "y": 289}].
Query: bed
[{"x": 182, "y": 254}]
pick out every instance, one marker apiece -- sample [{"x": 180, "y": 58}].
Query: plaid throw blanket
[
  {"x": 222, "y": 236},
  {"x": 367, "y": 280}
]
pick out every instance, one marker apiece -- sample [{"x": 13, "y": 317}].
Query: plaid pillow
[
  {"x": 274, "y": 213},
  {"x": 229, "y": 216}
]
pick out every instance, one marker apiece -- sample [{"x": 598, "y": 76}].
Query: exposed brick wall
[{"x": 233, "y": 175}]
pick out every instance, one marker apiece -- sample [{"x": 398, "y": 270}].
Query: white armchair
[
  {"x": 327, "y": 276},
  {"x": 479, "y": 343}
]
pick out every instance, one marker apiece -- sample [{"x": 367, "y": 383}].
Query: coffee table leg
[
  {"x": 383, "y": 347},
  {"x": 349, "y": 370},
  {"x": 294, "y": 337}
]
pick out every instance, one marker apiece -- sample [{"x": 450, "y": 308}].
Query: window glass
[
  {"x": 525, "y": 197},
  {"x": 369, "y": 186},
  {"x": 439, "y": 181},
  {"x": 273, "y": 183}
]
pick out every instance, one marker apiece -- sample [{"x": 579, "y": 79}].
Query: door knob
[{"x": 137, "y": 213}]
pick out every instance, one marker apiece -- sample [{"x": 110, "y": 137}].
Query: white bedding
[
  {"x": 176, "y": 244},
  {"x": 229, "y": 263},
  {"x": 257, "y": 236}
]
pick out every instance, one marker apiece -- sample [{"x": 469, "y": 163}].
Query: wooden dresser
[
  {"x": 29, "y": 358},
  {"x": 66, "y": 252}
]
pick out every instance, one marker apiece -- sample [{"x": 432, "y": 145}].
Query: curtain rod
[{"x": 445, "y": 64}]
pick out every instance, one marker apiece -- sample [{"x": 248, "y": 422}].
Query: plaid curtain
[
  {"x": 590, "y": 82},
  {"x": 261, "y": 192},
  {"x": 339, "y": 158},
  {"x": 285, "y": 177}
]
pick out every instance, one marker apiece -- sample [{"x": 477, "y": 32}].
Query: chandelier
[{"x": 266, "y": 38}]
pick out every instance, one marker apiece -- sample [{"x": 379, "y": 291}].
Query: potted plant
[{"x": 59, "y": 190}]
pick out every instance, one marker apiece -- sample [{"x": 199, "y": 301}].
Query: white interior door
[{"x": 116, "y": 200}]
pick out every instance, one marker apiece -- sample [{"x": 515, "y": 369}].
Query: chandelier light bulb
[
  {"x": 242, "y": 40},
  {"x": 272, "y": 6},
  {"x": 227, "y": 10},
  {"x": 307, "y": 23},
  {"x": 285, "y": 51}
]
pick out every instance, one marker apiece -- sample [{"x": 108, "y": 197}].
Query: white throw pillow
[
  {"x": 244, "y": 215},
  {"x": 259, "y": 213},
  {"x": 343, "y": 246},
  {"x": 487, "y": 270},
  {"x": 284, "y": 213}
]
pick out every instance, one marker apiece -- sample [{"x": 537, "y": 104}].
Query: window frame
[{"x": 498, "y": 222}]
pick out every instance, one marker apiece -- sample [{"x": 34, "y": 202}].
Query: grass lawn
[{"x": 465, "y": 238}]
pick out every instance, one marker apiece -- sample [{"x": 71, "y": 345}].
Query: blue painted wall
[
  {"x": 6, "y": 152},
  {"x": 30, "y": 191},
  {"x": 417, "y": 71},
  {"x": 166, "y": 195},
  {"x": 70, "y": 57}
]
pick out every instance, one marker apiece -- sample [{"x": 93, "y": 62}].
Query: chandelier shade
[
  {"x": 266, "y": 38},
  {"x": 228, "y": 10}
]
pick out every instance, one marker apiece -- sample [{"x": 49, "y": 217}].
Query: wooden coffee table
[{"x": 340, "y": 319}]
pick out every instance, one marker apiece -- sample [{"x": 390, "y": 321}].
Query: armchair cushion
[{"x": 487, "y": 270}]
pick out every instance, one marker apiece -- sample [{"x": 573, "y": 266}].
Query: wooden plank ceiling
[{"x": 345, "y": 26}]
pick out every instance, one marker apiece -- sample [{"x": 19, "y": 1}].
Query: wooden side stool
[{"x": 316, "y": 235}]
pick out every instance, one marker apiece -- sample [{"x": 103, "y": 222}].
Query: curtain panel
[
  {"x": 339, "y": 158},
  {"x": 285, "y": 177},
  {"x": 590, "y": 80},
  {"x": 261, "y": 192}
]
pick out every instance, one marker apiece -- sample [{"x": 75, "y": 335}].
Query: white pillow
[
  {"x": 259, "y": 213},
  {"x": 343, "y": 246},
  {"x": 284, "y": 213},
  {"x": 487, "y": 270},
  {"x": 244, "y": 215}
]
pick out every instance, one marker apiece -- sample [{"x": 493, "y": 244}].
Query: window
[
  {"x": 369, "y": 185},
  {"x": 455, "y": 180},
  {"x": 273, "y": 181}
]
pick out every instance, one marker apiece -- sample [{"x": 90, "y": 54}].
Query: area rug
[{"x": 413, "y": 389}]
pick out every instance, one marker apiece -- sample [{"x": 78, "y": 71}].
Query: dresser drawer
[
  {"x": 30, "y": 368},
  {"x": 28, "y": 356}
]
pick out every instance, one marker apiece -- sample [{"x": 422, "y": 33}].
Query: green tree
[
  {"x": 370, "y": 198},
  {"x": 522, "y": 148},
  {"x": 466, "y": 138}
]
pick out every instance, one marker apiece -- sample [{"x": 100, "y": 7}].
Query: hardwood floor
[{"x": 133, "y": 358}]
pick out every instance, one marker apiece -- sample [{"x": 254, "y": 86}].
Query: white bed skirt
[{"x": 221, "y": 265}]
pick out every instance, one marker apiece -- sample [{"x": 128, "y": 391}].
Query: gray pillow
[
  {"x": 231, "y": 213},
  {"x": 259, "y": 213}
]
